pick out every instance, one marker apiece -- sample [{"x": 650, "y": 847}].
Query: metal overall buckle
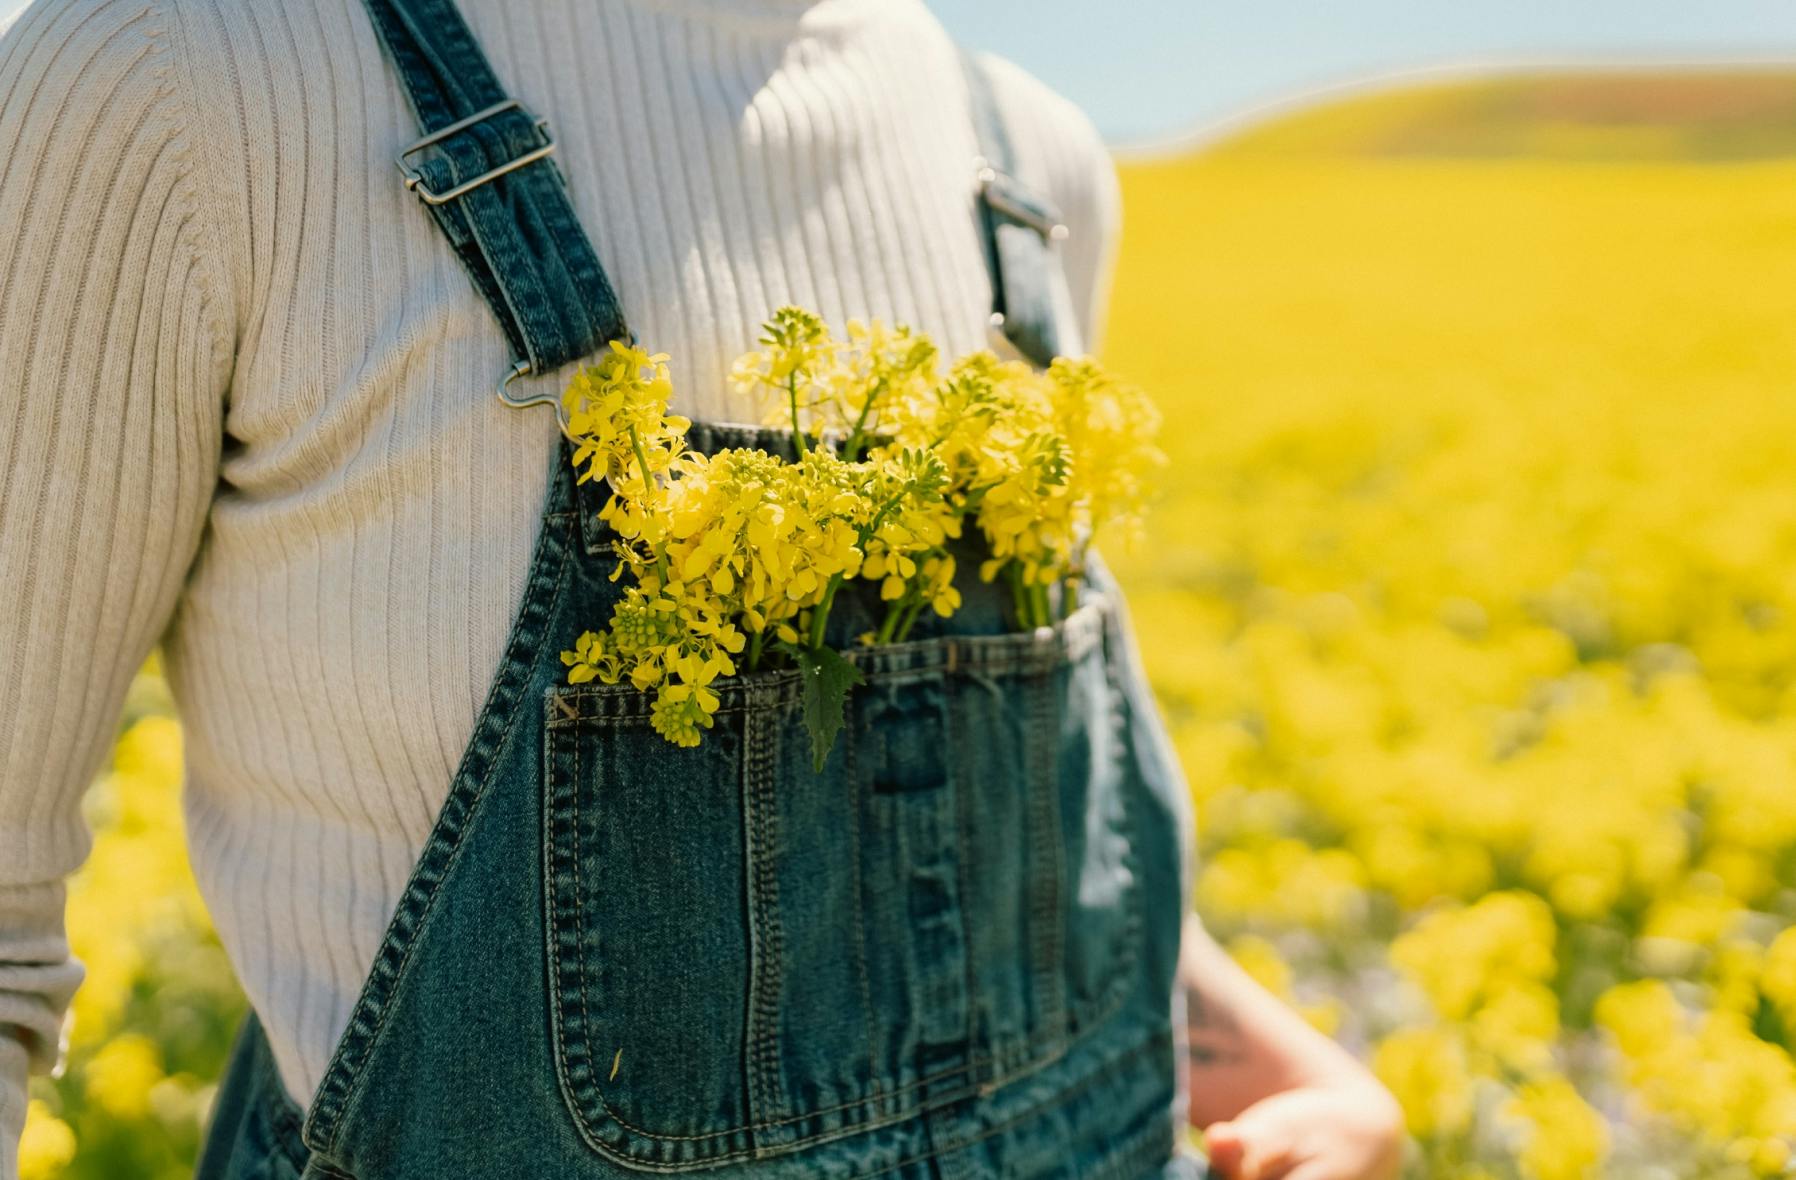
[
  {"x": 414, "y": 179},
  {"x": 1002, "y": 194}
]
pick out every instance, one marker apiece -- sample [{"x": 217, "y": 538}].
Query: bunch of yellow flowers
[{"x": 734, "y": 559}]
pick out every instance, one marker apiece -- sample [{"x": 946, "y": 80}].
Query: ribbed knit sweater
[{"x": 249, "y": 412}]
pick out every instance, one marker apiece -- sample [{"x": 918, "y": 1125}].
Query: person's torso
[{"x": 377, "y": 508}]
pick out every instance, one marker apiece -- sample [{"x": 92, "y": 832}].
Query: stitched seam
[
  {"x": 1034, "y": 1111},
  {"x": 1017, "y": 652},
  {"x": 1046, "y": 892},
  {"x": 583, "y": 932},
  {"x": 1025, "y": 1065},
  {"x": 553, "y": 925},
  {"x": 337, "y": 1095},
  {"x": 1028, "y": 1053},
  {"x": 962, "y": 868},
  {"x": 874, "y": 1096},
  {"x": 428, "y": 901},
  {"x": 767, "y": 954},
  {"x": 851, "y": 763}
]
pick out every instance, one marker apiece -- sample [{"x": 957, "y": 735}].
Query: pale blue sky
[{"x": 1147, "y": 69}]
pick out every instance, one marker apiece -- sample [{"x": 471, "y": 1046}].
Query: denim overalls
[{"x": 949, "y": 954}]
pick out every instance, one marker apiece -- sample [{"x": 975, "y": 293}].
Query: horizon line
[{"x": 1207, "y": 134}]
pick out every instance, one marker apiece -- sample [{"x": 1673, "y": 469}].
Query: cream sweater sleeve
[{"x": 114, "y": 354}]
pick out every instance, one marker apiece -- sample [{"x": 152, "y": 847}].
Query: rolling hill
[{"x": 1621, "y": 114}]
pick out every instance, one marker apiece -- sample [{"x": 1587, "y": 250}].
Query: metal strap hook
[{"x": 539, "y": 398}]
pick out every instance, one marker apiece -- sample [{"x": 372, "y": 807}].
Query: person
[{"x": 250, "y": 419}]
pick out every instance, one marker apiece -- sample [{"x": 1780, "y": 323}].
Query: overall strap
[
  {"x": 1031, "y": 306},
  {"x": 483, "y": 170}
]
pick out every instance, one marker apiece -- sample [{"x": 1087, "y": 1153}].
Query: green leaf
[{"x": 827, "y": 677}]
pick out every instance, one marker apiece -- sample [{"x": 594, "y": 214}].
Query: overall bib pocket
[{"x": 746, "y": 956}]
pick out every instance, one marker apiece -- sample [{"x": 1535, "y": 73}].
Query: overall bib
[{"x": 948, "y": 954}]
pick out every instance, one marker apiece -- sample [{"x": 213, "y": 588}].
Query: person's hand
[{"x": 1346, "y": 1130}]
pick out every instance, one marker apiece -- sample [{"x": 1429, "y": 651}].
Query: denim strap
[
  {"x": 1021, "y": 230},
  {"x": 514, "y": 230}
]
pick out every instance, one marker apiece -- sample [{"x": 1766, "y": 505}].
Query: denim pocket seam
[
  {"x": 570, "y": 1046},
  {"x": 570, "y": 1049},
  {"x": 850, "y": 758},
  {"x": 571, "y": 718},
  {"x": 1047, "y": 883},
  {"x": 573, "y": 1055},
  {"x": 1098, "y": 1009},
  {"x": 766, "y": 955},
  {"x": 1021, "y": 1055},
  {"x": 1044, "y": 649}
]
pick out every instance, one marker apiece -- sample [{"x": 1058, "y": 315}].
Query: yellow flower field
[
  {"x": 153, "y": 1021},
  {"x": 1473, "y": 608}
]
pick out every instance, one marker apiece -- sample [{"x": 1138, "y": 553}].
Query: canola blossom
[
  {"x": 733, "y": 560},
  {"x": 153, "y": 1020},
  {"x": 1470, "y": 607}
]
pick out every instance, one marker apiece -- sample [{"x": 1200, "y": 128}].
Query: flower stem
[
  {"x": 851, "y": 450},
  {"x": 1013, "y": 575},
  {"x": 797, "y": 430},
  {"x": 879, "y": 515},
  {"x": 820, "y": 613},
  {"x": 889, "y": 624},
  {"x": 642, "y": 461},
  {"x": 910, "y": 617}
]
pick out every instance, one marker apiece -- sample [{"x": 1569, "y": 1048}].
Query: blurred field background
[
  {"x": 1472, "y": 603},
  {"x": 1474, "y": 597}
]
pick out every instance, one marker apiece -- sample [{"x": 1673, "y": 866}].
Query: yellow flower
[
  {"x": 723, "y": 551},
  {"x": 120, "y": 1075},
  {"x": 593, "y": 657},
  {"x": 1518, "y": 1025},
  {"x": 795, "y": 372},
  {"x": 1565, "y": 1138},
  {"x": 680, "y": 711},
  {"x": 48, "y": 1146},
  {"x": 617, "y": 408},
  {"x": 1778, "y": 975},
  {"x": 1425, "y": 1068},
  {"x": 1464, "y": 958}
]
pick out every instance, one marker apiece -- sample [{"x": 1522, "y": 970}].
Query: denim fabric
[
  {"x": 517, "y": 235},
  {"x": 1032, "y": 306},
  {"x": 948, "y": 954}
]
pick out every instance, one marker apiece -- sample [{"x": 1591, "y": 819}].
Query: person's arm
[
  {"x": 1275, "y": 1097},
  {"x": 114, "y": 355}
]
